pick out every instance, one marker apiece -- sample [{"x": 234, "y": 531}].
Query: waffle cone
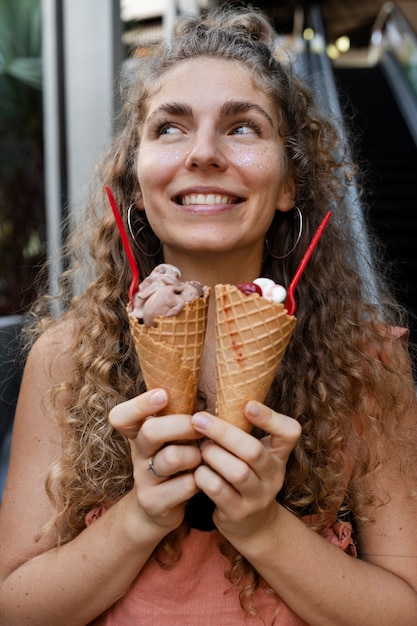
[
  {"x": 170, "y": 353},
  {"x": 252, "y": 334}
]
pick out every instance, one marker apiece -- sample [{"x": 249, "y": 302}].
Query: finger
[
  {"x": 128, "y": 416},
  {"x": 173, "y": 460},
  {"x": 158, "y": 499},
  {"x": 155, "y": 472},
  {"x": 222, "y": 493},
  {"x": 284, "y": 433},
  {"x": 234, "y": 440},
  {"x": 219, "y": 430},
  {"x": 284, "y": 430},
  {"x": 235, "y": 471},
  {"x": 156, "y": 432}
]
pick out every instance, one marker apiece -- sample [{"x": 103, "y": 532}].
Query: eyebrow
[
  {"x": 234, "y": 107},
  {"x": 228, "y": 109},
  {"x": 172, "y": 108}
]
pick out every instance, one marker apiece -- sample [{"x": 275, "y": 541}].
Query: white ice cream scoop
[{"x": 270, "y": 290}]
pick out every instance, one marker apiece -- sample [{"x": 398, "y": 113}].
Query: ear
[
  {"x": 139, "y": 204},
  {"x": 286, "y": 196}
]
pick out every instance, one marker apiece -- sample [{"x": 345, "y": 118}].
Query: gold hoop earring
[
  {"x": 300, "y": 232},
  {"x": 143, "y": 227}
]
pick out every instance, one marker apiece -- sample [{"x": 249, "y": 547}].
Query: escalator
[
  {"x": 378, "y": 101},
  {"x": 388, "y": 156},
  {"x": 383, "y": 101}
]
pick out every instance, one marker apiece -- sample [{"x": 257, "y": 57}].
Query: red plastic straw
[
  {"x": 290, "y": 299},
  {"x": 134, "y": 285}
]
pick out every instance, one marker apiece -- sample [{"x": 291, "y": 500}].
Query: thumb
[{"x": 284, "y": 431}]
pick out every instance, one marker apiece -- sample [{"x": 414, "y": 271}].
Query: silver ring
[{"x": 151, "y": 468}]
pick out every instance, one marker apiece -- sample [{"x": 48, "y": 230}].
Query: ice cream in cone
[
  {"x": 169, "y": 345},
  {"x": 252, "y": 334},
  {"x": 168, "y": 324}
]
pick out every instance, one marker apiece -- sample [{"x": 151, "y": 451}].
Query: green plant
[{"x": 22, "y": 206}]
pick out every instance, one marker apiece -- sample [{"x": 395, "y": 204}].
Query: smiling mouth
[{"x": 207, "y": 199}]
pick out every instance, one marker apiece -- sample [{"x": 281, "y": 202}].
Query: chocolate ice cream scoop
[{"x": 164, "y": 293}]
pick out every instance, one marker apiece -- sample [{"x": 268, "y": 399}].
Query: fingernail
[
  {"x": 253, "y": 409},
  {"x": 201, "y": 420},
  {"x": 158, "y": 397}
]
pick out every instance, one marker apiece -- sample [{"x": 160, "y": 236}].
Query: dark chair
[{"x": 11, "y": 370}]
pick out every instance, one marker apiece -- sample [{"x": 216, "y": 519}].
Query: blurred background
[{"x": 60, "y": 63}]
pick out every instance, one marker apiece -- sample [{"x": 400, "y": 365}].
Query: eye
[
  {"x": 164, "y": 128},
  {"x": 248, "y": 127},
  {"x": 168, "y": 129}
]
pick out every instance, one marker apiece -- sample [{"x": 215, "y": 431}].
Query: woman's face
[{"x": 211, "y": 164}]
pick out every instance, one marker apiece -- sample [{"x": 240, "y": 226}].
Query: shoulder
[
  {"x": 50, "y": 365},
  {"x": 398, "y": 377},
  {"x": 386, "y": 425},
  {"x": 386, "y": 368},
  {"x": 51, "y": 356}
]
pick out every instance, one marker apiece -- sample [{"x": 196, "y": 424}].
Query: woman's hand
[
  {"x": 163, "y": 456},
  {"x": 242, "y": 474}
]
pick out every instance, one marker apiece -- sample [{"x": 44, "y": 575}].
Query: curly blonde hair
[{"x": 333, "y": 376}]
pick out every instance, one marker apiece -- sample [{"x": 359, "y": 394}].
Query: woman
[{"x": 222, "y": 159}]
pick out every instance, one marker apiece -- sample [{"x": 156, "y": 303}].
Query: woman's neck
[{"x": 214, "y": 268}]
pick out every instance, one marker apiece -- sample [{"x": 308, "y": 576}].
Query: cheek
[
  {"x": 250, "y": 158},
  {"x": 155, "y": 171},
  {"x": 169, "y": 158},
  {"x": 155, "y": 162},
  {"x": 259, "y": 162}
]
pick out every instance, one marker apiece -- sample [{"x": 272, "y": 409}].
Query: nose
[{"x": 206, "y": 152}]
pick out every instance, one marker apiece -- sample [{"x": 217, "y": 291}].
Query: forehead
[{"x": 205, "y": 82}]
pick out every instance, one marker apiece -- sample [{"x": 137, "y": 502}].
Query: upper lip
[{"x": 205, "y": 190}]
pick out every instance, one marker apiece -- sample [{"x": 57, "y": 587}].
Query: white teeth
[{"x": 210, "y": 198}]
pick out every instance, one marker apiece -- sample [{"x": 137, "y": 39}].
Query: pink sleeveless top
[{"x": 195, "y": 592}]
